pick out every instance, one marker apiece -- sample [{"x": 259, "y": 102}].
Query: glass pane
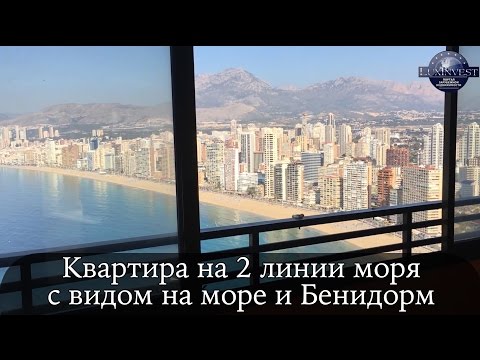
[
  {"x": 298, "y": 130},
  {"x": 467, "y": 174},
  {"x": 86, "y": 145}
]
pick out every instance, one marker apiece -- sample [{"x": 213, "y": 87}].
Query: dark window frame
[{"x": 184, "y": 120}]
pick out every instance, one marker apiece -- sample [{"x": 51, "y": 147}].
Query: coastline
[{"x": 275, "y": 211}]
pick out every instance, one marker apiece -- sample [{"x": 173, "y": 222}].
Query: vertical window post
[
  {"x": 449, "y": 158},
  {"x": 185, "y": 140}
]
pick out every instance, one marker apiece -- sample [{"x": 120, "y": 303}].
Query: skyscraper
[
  {"x": 328, "y": 154},
  {"x": 51, "y": 152},
  {"x": 280, "y": 180},
  {"x": 312, "y": 161},
  {"x": 215, "y": 164},
  {"x": 356, "y": 194},
  {"x": 469, "y": 145},
  {"x": 231, "y": 168},
  {"x": 330, "y": 134},
  {"x": 142, "y": 161},
  {"x": 330, "y": 189},
  {"x": 384, "y": 184},
  {"x": 421, "y": 184},
  {"x": 270, "y": 157},
  {"x": 345, "y": 138},
  {"x": 331, "y": 120},
  {"x": 383, "y": 135},
  {"x": 233, "y": 128},
  {"x": 433, "y": 146},
  {"x": 247, "y": 147},
  {"x": 294, "y": 173}
]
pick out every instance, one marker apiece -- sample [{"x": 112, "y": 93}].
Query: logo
[{"x": 448, "y": 71}]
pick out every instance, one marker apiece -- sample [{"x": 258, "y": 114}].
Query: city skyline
[{"x": 301, "y": 165}]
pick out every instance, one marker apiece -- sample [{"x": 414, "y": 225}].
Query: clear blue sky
[
  {"x": 32, "y": 78},
  {"x": 305, "y": 65}
]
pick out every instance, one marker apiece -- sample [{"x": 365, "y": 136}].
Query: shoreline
[{"x": 253, "y": 206}]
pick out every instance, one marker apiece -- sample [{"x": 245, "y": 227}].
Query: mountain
[
  {"x": 253, "y": 98},
  {"x": 236, "y": 93},
  {"x": 101, "y": 114}
]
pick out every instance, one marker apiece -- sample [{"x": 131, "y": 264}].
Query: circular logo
[{"x": 448, "y": 71}]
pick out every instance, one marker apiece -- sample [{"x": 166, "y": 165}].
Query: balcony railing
[{"x": 27, "y": 284}]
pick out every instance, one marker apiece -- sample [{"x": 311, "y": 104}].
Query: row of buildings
[
  {"x": 147, "y": 158},
  {"x": 324, "y": 166}
]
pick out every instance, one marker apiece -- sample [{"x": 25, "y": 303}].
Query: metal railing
[{"x": 26, "y": 284}]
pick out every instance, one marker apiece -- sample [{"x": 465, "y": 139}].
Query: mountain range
[{"x": 237, "y": 93}]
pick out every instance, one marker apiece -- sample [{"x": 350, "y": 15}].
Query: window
[
  {"x": 288, "y": 130},
  {"x": 467, "y": 174},
  {"x": 86, "y": 145}
]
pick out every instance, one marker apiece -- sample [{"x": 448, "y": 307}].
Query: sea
[{"x": 41, "y": 210}]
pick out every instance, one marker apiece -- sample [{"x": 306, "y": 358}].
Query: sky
[
  {"x": 32, "y": 78},
  {"x": 305, "y": 65}
]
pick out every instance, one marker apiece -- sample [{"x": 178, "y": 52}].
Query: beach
[{"x": 274, "y": 211}]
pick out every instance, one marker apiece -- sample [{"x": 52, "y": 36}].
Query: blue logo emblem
[{"x": 448, "y": 71}]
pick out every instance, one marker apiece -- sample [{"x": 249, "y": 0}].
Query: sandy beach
[{"x": 275, "y": 211}]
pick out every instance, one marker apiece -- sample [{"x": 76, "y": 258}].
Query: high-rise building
[
  {"x": 233, "y": 128},
  {"x": 381, "y": 154},
  {"x": 91, "y": 166},
  {"x": 469, "y": 173},
  {"x": 231, "y": 168},
  {"x": 331, "y": 120},
  {"x": 257, "y": 160},
  {"x": 6, "y": 137},
  {"x": 280, "y": 180},
  {"x": 142, "y": 162},
  {"x": 295, "y": 172},
  {"x": 51, "y": 132},
  {"x": 51, "y": 152},
  {"x": 94, "y": 143},
  {"x": 468, "y": 188},
  {"x": 469, "y": 145},
  {"x": 215, "y": 164},
  {"x": 362, "y": 148},
  {"x": 345, "y": 138},
  {"x": 318, "y": 133},
  {"x": 433, "y": 146},
  {"x": 165, "y": 162},
  {"x": 356, "y": 193},
  {"x": 384, "y": 184},
  {"x": 330, "y": 189},
  {"x": 329, "y": 154},
  {"x": 110, "y": 161},
  {"x": 70, "y": 155},
  {"x": 383, "y": 135},
  {"x": 270, "y": 157},
  {"x": 247, "y": 147},
  {"x": 247, "y": 181},
  {"x": 398, "y": 156},
  {"x": 421, "y": 184},
  {"x": 40, "y": 132},
  {"x": 330, "y": 134},
  {"x": 312, "y": 161}
]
